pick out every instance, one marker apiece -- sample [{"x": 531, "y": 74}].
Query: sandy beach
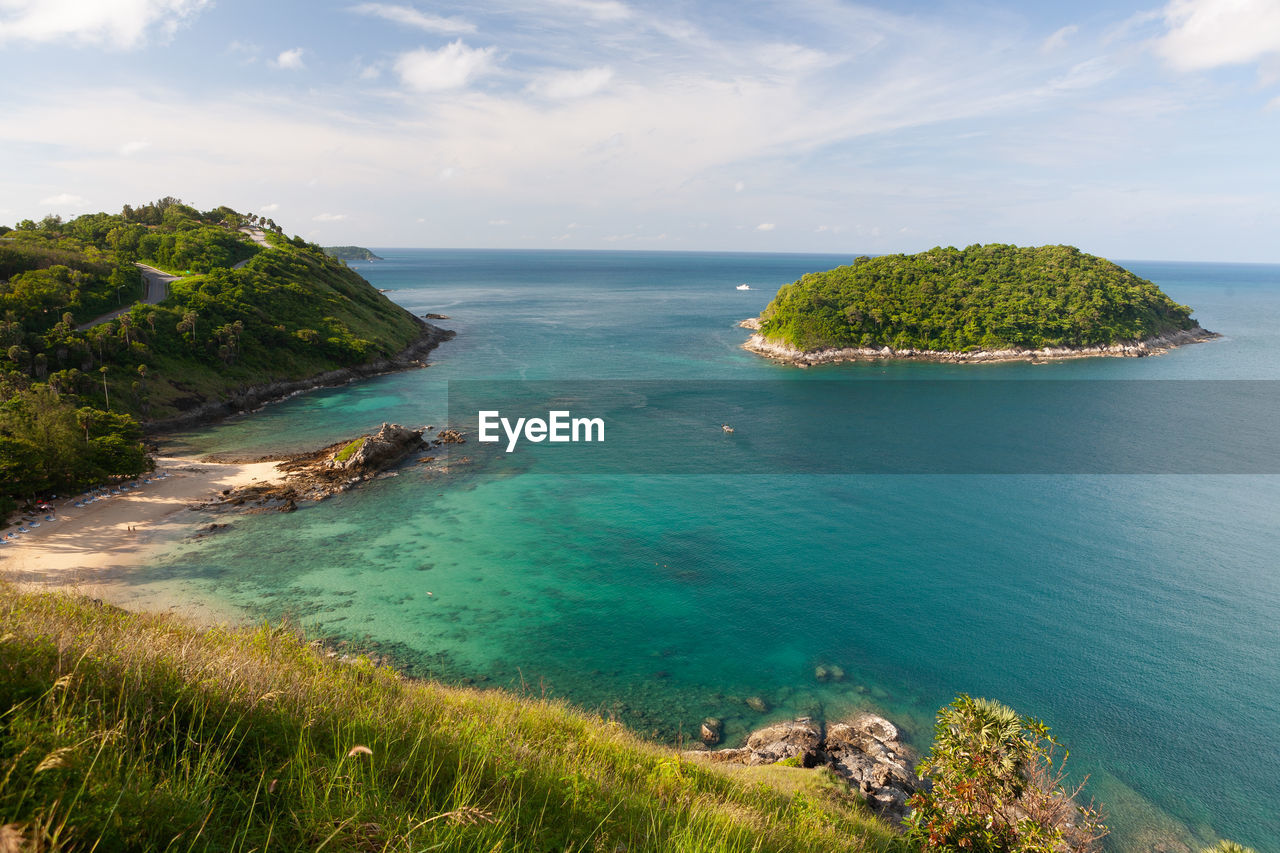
[{"x": 85, "y": 547}]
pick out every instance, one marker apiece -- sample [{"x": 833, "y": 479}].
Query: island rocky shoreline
[
  {"x": 255, "y": 397},
  {"x": 1155, "y": 345}
]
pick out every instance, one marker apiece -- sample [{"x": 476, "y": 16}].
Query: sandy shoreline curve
[
  {"x": 86, "y": 546},
  {"x": 1156, "y": 345}
]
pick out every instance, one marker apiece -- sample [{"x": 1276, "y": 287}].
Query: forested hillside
[
  {"x": 241, "y": 315},
  {"x": 989, "y": 297}
]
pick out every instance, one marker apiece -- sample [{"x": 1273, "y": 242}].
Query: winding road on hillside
[
  {"x": 155, "y": 288},
  {"x": 156, "y": 282}
]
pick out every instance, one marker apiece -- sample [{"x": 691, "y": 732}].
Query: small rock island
[{"x": 982, "y": 303}]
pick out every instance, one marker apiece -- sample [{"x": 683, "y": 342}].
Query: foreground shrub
[{"x": 997, "y": 787}]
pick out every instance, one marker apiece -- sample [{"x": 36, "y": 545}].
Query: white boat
[{"x": 744, "y": 287}]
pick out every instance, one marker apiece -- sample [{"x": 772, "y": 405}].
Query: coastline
[
  {"x": 1155, "y": 345},
  {"x": 87, "y": 548},
  {"x": 256, "y": 396}
]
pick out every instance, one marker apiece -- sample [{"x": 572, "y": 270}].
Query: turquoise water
[{"x": 1136, "y": 614}]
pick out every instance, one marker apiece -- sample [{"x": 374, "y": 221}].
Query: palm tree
[{"x": 1225, "y": 846}]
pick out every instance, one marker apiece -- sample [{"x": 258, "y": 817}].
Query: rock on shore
[
  {"x": 1158, "y": 345},
  {"x": 867, "y": 751},
  {"x": 317, "y": 475},
  {"x": 388, "y": 445}
]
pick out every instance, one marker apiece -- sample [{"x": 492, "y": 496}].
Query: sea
[{"x": 1135, "y": 609}]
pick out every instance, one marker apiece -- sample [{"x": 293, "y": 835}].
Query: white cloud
[
  {"x": 290, "y": 60},
  {"x": 329, "y": 217},
  {"x": 113, "y": 23},
  {"x": 247, "y": 50},
  {"x": 1083, "y": 75},
  {"x": 573, "y": 84},
  {"x": 668, "y": 138},
  {"x": 1209, "y": 33},
  {"x": 766, "y": 226},
  {"x": 411, "y": 17},
  {"x": 499, "y": 221},
  {"x": 65, "y": 200},
  {"x": 601, "y": 10},
  {"x": 132, "y": 147},
  {"x": 450, "y": 67},
  {"x": 1058, "y": 40},
  {"x": 794, "y": 58},
  {"x": 269, "y": 208},
  {"x": 447, "y": 173},
  {"x": 370, "y": 72}
]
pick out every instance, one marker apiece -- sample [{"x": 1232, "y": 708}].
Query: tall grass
[{"x": 122, "y": 731}]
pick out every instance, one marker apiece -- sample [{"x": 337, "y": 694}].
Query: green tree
[{"x": 998, "y": 787}]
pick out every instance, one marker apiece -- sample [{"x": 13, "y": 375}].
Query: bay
[{"x": 1136, "y": 614}]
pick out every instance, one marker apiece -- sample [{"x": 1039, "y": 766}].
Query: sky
[{"x": 1131, "y": 130}]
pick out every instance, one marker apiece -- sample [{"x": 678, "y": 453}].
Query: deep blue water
[{"x": 1136, "y": 614}]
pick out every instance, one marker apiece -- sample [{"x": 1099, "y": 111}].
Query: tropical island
[
  {"x": 163, "y": 315},
  {"x": 350, "y": 253},
  {"x": 982, "y": 303}
]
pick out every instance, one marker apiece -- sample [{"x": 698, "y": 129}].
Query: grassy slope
[
  {"x": 288, "y": 286},
  {"x": 139, "y": 733},
  {"x": 289, "y": 314}
]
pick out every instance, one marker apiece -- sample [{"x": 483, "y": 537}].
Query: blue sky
[{"x": 1131, "y": 130}]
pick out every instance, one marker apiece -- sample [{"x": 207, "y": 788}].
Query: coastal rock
[
  {"x": 785, "y": 740},
  {"x": 450, "y": 436},
  {"x": 712, "y": 730},
  {"x": 332, "y": 470},
  {"x": 388, "y": 445},
  {"x": 866, "y": 751},
  {"x": 828, "y": 672},
  {"x": 1156, "y": 345},
  {"x": 741, "y": 755},
  {"x": 758, "y": 704}
]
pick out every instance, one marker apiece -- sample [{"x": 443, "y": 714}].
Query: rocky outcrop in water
[
  {"x": 866, "y": 751},
  {"x": 385, "y": 447},
  {"x": 322, "y": 473}
]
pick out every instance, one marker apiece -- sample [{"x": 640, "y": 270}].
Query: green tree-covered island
[
  {"x": 982, "y": 303},
  {"x": 350, "y": 253}
]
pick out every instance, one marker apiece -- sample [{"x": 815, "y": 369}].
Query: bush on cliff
[{"x": 998, "y": 787}]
